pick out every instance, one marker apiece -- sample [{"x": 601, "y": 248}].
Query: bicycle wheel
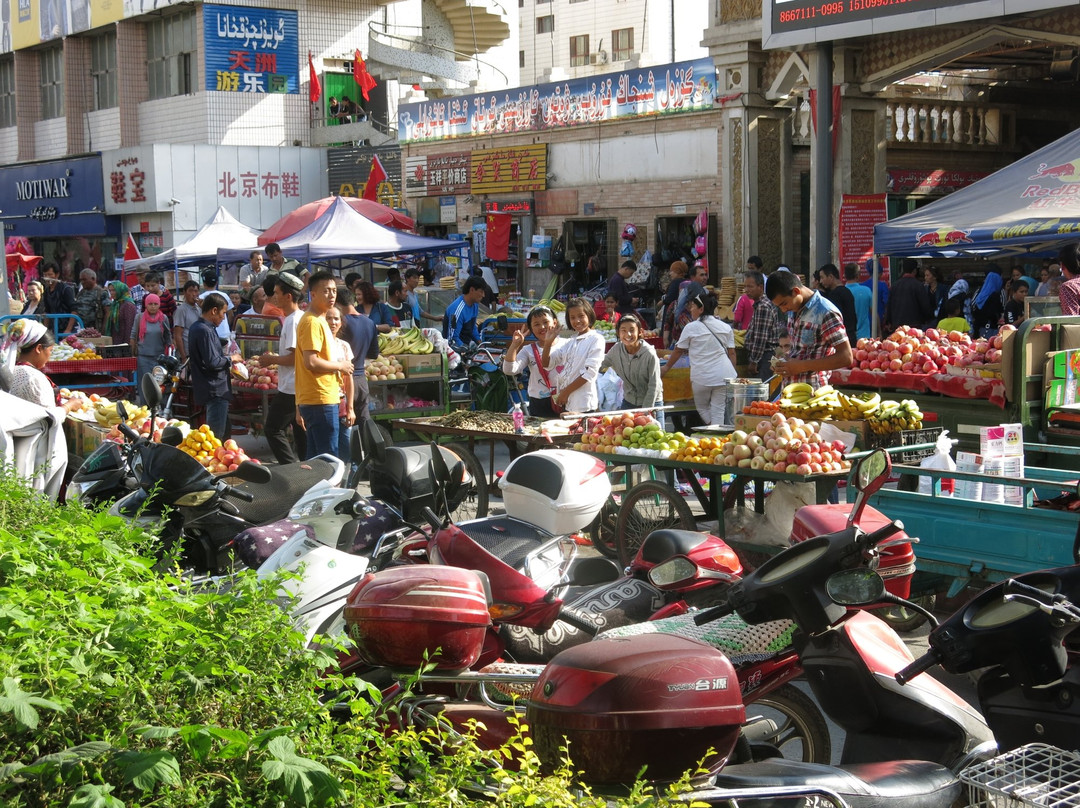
[
  {"x": 790, "y": 721},
  {"x": 602, "y": 531},
  {"x": 472, "y": 504},
  {"x": 649, "y": 506}
]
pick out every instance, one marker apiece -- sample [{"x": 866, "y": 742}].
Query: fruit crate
[
  {"x": 422, "y": 366},
  {"x": 1035, "y": 775},
  {"x": 906, "y": 437}
]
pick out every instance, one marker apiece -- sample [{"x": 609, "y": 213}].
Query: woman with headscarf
[
  {"x": 150, "y": 336},
  {"x": 35, "y": 292},
  {"x": 120, "y": 316},
  {"x": 987, "y": 307},
  {"x": 26, "y": 348}
]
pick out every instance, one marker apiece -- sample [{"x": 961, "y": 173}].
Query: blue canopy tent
[{"x": 1031, "y": 206}]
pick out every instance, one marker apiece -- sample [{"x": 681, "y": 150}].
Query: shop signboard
[
  {"x": 251, "y": 50},
  {"x": 678, "y": 87},
  {"x": 509, "y": 170},
  {"x": 858, "y": 215},
  {"x": 930, "y": 182},
  {"x": 55, "y": 198}
]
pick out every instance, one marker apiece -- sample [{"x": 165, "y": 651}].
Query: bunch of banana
[
  {"x": 411, "y": 341},
  {"x": 858, "y": 406},
  {"x": 819, "y": 404},
  {"x": 555, "y": 305},
  {"x": 895, "y": 416},
  {"x": 105, "y": 413},
  {"x": 740, "y": 338}
]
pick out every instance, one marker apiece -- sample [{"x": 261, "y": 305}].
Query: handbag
[{"x": 555, "y": 407}]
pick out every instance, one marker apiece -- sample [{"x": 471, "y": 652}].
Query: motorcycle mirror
[
  {"x": 150, "y": 390},
  {"x": 857, "y": 587},
  {"x": 172, "y": 436},
  {"x": 869, "y": 474},
  {"x": 674, "y": 571},
  {"x": 121, "y": 410},
  {"x": 356, "y": 447},
  {"x": 252, "y": 472}
]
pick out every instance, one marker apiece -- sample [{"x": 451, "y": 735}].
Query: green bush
[{"x": 120, "y": 686}]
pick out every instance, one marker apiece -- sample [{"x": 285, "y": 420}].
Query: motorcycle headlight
[
  {"x": 316, "y": 506},
  {"x": 195, "y": 498},
  {"x": 159, "y": 375},
  {"x": 75, "y": 491}
]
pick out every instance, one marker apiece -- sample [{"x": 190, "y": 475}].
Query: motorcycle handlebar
[
  {"x": 1015, "y": 587},
  {"x": 128, "y": 432},
  {"x": 712, "y": 613},
  {"x": 882, "y": 533},
  {"x": 247, "y": 496},
  {"x": 920, "y": 665},
  {"x": 578, "y": 621}
]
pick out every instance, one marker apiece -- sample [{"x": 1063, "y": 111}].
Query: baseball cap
[
  {"x": 291, "y": 281},
  {"x": 209, "y": 275}
]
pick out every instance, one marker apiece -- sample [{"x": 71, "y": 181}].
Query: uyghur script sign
[
  {"x": 251, "y": 50},
  {"x": 661, "y": 89}
]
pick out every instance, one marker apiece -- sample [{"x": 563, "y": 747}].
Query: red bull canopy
[{"x": 1032, "y": 205}]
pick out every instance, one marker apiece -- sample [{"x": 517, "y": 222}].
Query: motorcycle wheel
[
  {"x": 901, "y": 619},
  {"x": 602, "y": 531},
  {"x": 473, "y": 504},
  {"x": 649, "y": 506},
  {"x": 801, "y": 732}
]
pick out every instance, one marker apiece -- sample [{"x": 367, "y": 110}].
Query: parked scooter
[
  {"x": 661, "y": 700},
  {"x": 202, "y": 515}
]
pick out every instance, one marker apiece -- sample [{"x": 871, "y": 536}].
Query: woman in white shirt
[
  {"x": 576, "y": 362},
  {"x": 341, "y": 351},
  {"x": 520, "y": 356},
  {"x": 710, "y": 343}
]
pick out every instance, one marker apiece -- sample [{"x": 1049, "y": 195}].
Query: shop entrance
[{"x": 585, "y": 239}]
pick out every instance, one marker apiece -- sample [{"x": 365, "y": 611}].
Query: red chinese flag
[
  {"x": 314, "y": 88},
  {"x": 376, "y": 175},
  {"x": 498, "y": 236},
  {"x": 131, "y": 250},
  {"x": 362, "y": 77}
]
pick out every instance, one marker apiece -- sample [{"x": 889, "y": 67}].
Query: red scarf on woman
[{"x": 146, "y": 317}]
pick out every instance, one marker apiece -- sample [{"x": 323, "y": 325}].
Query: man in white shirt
[
  {"x": 187, "y": 313},
  {"x": 210, "y": 286},
  {"x": 282, "y": 412}
]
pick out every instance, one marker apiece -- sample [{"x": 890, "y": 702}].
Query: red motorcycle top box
[
  {"x": 656, "y": 699},
  {"x": 397, "y": 615},
  {"x": 558, "y": 490}
]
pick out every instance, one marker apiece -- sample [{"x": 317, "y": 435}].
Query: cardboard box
[
  {"x": 971, "y": 463},
  {"x": 92, "y": 436},
  {"x": 677, "y": 387},
  {"x": 1035, "y": 349},
  {"x": 992, "y": 441},
  {"x": 97, "y": 342},
  {"x": 422, "y": 365}
]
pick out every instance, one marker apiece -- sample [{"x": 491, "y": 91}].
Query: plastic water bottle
[{"x": 519, "y": 418}]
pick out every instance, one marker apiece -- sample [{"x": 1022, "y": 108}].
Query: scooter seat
[
  {"x": 660, "y": 545},
  {"x": 900, "y": 783},
  {"x": 403, "y": 476},
  {"x": 509, "y": 540},
  {"x": 274, "y": 499}
]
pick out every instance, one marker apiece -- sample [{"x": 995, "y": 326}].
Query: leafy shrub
[{"x": 120, "y": 686}]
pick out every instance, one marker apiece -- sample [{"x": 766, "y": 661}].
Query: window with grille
[
  {"x": 521, "y": 59},
  {"x": 170, "y": 51},
  {"x": 622, "y": 44},
  {"x": 7, "y": 91},
  {"x": 579, "y": 50},
  {"x": 545, "y": 25},
  {"x": 103, "y": 70},
  {"x": 51, "y": 68}
]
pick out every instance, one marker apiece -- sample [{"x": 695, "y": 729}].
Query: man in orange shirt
[{"x": 318, "y": 386}]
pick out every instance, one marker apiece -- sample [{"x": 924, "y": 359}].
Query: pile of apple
[
  {"x": 384, "y": 369},
  {"x": 258, "y": 377},
  {"x": 146, "y": 428},
  {"x": 786, "y": 445},
  {"x": 911, "y": 350},
  {"x": 627, "y": 433}
]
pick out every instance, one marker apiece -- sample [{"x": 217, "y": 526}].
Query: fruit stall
[
  {"x": 410, "y": 374},
  {"x": 89, "y": 362}
]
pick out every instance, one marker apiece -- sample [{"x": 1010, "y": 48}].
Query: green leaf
[
  {"x": 156, "y": 733},
  {"x": 8, "y": 769},
  {"x": 305, "y": 781},
  {"x": 144, "y": 770},
  {"x": 236, "y": 745},
  {"x": 94, "y": 796},
  {"x": 21, "y": 704}
]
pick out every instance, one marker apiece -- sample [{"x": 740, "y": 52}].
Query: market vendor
[
  {"x": 635, "y": 362},
  {"x": 459, "y": 322},
  {"x": 819, "y": 342}
]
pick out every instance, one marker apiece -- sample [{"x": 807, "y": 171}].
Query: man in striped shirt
[
  {"x": 819, "y": 343},
  {"x": 765, "y": 329}
]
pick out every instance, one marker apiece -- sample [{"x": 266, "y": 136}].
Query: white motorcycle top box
[{"x": 560, "y": 491}]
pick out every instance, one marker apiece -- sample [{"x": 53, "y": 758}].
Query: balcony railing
[
  {"x": 927, "y": 123},
  {"x": 417, "y": 61}
]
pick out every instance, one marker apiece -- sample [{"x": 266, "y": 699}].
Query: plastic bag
[
  {"x": 941, "y": 460},
  {"x": 609, "y": 388},
  {"x": 785, "y": 499}
]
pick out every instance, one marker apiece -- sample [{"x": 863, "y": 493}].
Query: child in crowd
[
  {"x": 575, "y": 363},
  {"x": 1014, "y": 308},
  {"x": 520, "y": 356},
  {"x": 953, "y": 316},
  {"x": 342, "y": 352}
]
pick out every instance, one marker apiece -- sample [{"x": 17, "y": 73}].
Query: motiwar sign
[
  {"x": 56, "y": 188},
  {"x": 509, "y": 170},
  {"x": 251, "y": 50},
  {"x": 662, "y": 89}
]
